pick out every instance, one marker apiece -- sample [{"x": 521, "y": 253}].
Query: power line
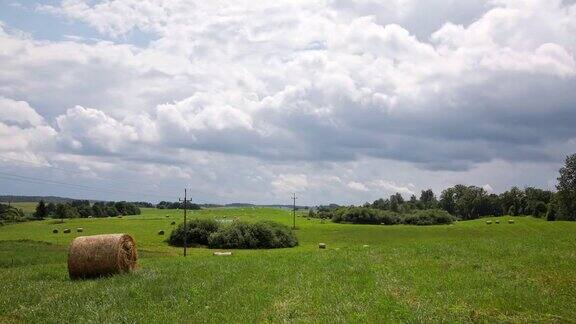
[
  {"x": 35, "y": 180},
  {"x": 115, "y": 179}
]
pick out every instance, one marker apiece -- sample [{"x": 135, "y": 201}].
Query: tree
[
  {"x": 467, "y": 202},
  {"x": 41, "y": 210},
  {"x": 428, "y": 199},
  {"x": 566, "y": 195},
  {"x": 396, "y": 201},
  {"x": 51, "y": 209},
  {"x": 65, "y": 211},
  {"x": 448, "y": 200},
  {"x": 513, "y": 201},
  {"x": 381, "y": 204},
  {"x": 537, "y": 201}
]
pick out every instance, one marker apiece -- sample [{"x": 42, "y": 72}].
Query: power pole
[
  {"x": 185, "y": 228},
  {"x": 294, "y": 210}
]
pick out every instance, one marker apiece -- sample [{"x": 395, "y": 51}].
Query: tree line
[
  {"x": 468, "y": 202},
  {"x": 177, "y": 205},
  {"x": 84, "y": 209}
]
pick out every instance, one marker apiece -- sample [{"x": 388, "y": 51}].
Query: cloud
[
  {"x": 290, "y": 182},
  {"x": 23, "y": 132},
  {"x": 303, "y": 90},
  {"x": 393, "y": 187},
  {"x": 357, "y": 186},
  {"x": 488, "y": 188},
  {"x": 19, "y": 112},
  {"x": 91, "y": 129}
]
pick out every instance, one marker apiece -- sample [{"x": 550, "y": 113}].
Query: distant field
[
  {"x": 27, "y": 207},
  {"x": 468, "y": 271}
]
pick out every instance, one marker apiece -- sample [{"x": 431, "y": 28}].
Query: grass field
[
  {"x": 522, "y": 272},
  {"x": 27, "y": 207}
]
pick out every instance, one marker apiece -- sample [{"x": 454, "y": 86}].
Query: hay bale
[
  {"x": 167, "y": 216},
  {"x": 321, "y": 245},
  {"x": 55, "y": 231},
  {"x": 66, "y": 230},
  {"x": 510, "y": 221},
  {"x": 101, "y": 255},
  {"x": 223, "y": 253},
  {"x": 497, "y": 221},
  {"x": 488, "y": 222},
  {"x": 119, "y": 216},
  {"x": 79, "y": 230},
  {"x": 365, "y": 246},
  {"x": 161, "y": 232}
]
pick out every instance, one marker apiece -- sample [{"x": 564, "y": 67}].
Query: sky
[{"x": 338, "y": 101}]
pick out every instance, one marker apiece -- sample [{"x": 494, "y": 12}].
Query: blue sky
[{"x": 243, "y": 101}]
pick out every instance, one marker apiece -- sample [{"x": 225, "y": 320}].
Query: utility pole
[
  {"x": 294, "y": 210},
  {"x": 185, "y": 228}
]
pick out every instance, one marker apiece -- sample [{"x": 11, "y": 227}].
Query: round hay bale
[
  {"x": 488, "y": 222},
  {"x": 55, "y": 231},
  {"x": 161, "y": 232},
  {"x": 66, "y": 230},
  {"x": 321, "y": 245},
  {"x": 497, "y": 222},
  {"x": 101, "y": 255},
  {"x": 79, "y": 230},
  {"x": 510, "y": 221}
]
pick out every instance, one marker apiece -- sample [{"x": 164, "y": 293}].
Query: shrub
[
  {"x": 198, "y": 232},
  {"x": 236, "y": 235},
  {"x": 365, "y": 215},
  {"x": 429, "y": 217},
  {"x": 259, "y": 235},
  {"x": 389, "y": 218}
]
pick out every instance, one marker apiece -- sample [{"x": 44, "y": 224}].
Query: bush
[
  {"x": 429, "y": 217},
  {"x": 365, "y": 215},
  {"x": 236, "y": 235},
  {"x": 259, "y": 235},
  {"x": 198, "y": 230}
]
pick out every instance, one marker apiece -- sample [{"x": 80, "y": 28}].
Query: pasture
[{"x": 469, "y": 271}]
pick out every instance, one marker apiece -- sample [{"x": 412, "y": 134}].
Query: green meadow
[{"x": 468, "y": 271}]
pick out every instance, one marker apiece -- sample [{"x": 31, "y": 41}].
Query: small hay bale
[
  {"x": 488, "y": 222},
  {"x": 173, "y": 223},
  {"x": 497, "y": 221},
  {"x": 510, "y": 221},
  {"x": 66, "y": 230},
  {"x": 161, "y": 232},
  {"x": 55, "y": 231},
  {"x": 101, "y": 255},
  {"x": 79, "y": 230},
  {"x": 223, "y": 253},
  {"x": 365, "y": 246},
  {"x": 167, "y": 216},
  {"x": 321, "y": 245}
]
